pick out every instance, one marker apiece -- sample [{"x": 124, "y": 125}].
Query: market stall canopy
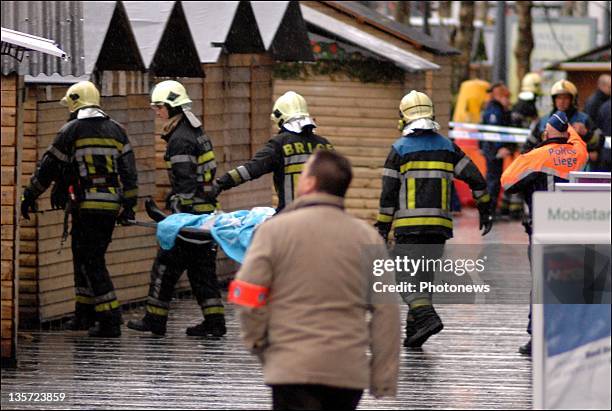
[
  {"x": 283, "y": 30},
  {"x": 351, "y": 34},
  {"x": 597, "y": 59},
  {"x": 15, "y": 43}
]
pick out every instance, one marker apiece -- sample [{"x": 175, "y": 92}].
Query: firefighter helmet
[
  {"x": 416, "y": 105},
  {"x": 80, "y": 95},
  {"x": 289, "y": 106},
  {"x": 532, "y": 82},
  {"x": 564, "y": 87},
  {"x": 169, "y": 92}
]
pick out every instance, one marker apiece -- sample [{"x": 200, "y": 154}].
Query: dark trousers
[
  {"x": 200, "y": 262},
  {"x": 94, "y": 290},
  {"x": 495, "y": 168},
  {"x": 314, "y": 397},
  {"x": 430, "y": 246}
]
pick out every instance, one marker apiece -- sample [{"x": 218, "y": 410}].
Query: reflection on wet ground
[{"x": 472, "y": 364}]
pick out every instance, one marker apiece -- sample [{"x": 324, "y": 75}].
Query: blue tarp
[{"x": 232, "y": 231}]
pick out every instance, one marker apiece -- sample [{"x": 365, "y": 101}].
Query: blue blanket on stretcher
[{"x": 232, "y": 231}]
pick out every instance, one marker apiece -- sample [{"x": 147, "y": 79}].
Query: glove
[
  {"x": 215, "y": 189},
  {"x": 59, "y": 196},
  {"x": 28, "y": 203},
  {"x": 127, "y": 213},
  {"x": 486, "y": 218}
]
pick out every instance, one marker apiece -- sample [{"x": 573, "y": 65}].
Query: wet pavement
[{"x": 472, "y": 364}]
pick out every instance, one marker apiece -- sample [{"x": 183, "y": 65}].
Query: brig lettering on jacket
[{"x": 304, "y": 148}]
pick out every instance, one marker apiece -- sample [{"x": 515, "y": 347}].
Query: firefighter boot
[
  {"x": 105, "y": 330},
  {"x": 79, "y": 323},
  {"x": 427, "y": 323},
  {"x": 144, "y": 326},
  {"x": 410, "y": 326},
  {"x": 212, "y": 326}
]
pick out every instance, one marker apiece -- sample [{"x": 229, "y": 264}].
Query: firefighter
[
  {"x": 284, "y": 154},
  {"x": 191, "y": 169},
  {"x": 564, "y": 96},
  {"x": 94, "y": 170},
  {"x": 562, "y": 150},
  {"x": 497, "y": 113},
  {"x": 525, "y": 112},
  {"x": 415, "y": 199}
]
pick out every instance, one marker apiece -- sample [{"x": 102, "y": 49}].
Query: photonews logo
[{"x": 578, "y": 214}]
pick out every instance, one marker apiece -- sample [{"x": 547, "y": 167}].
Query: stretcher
[{"x": 188, "y": 234}]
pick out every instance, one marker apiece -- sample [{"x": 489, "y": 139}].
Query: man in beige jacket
[{"x": 304, "y": 294}]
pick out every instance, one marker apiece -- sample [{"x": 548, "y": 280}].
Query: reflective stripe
[
  {"x": 417, "y": 221},
  {"x": 296, "y": 159},
  {"x": 110, "y": 163},
  {"x": 208, "y": 156},
  {"x": 99, "y": 205},
  {"x": 288, "y": 188},
  {"x": 235, "y": 176},
  {"x": 383, "y": 218},
  {"x": 207, "y": 166},
  {"x": 207, "y": 176},
  {"x": 484, "y": 199},
  {"x": 244, "y": 173},
  {"x": 428, "y": 165},
  {"x": 97, "y": 141},
  {"x": 411, "y": 192},
  {"x": 130, "y": 193},
  {"x": 387, "y": 210},
  {"x": 213, "y": 310},
  {"x": 294, "y": 168},
  {"x": 58, "y": 154},
  {"x": 158, "y": 303},
  {"x": 126, "y": 148},
  {"x": 247, "y": 294},
  {"x": 183, "y": 158},
  {"x": 423, "y": 212},
  {"x": 91, "y": 168},
  {"x": 163, "y": 312},
  {"x": 429, "y": 174},
  {"x": 387, "y": 172},
  {"x": 83, "y": 291},
  {"x": 107, "y": 306},
  {"x": 81, "y": 299},
  {"x": 185, "y": 200},
  {"x": 96, "y": 151},
  {"x": 461, "y": 164},
  {"x": 204, "y": 207},
  {"x": 101, "y": 196},
  {"x": 213, "y": 302},
  {"x": 443, "y": 194},
  {"x": 478, "y": 193},
  {"x": 108, "y": 297}
]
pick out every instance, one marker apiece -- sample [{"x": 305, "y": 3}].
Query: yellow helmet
[
  {"x": 169, "y": 92},
  {"x": 564, "y": 87},
  {"x": 80, "y": 95},
  {"x": 532, "y": 82},
  {"x": 416, "y": 105},
  {"x": 288, "y": 106}
]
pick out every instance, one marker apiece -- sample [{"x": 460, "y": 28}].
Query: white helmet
[
  {"x": 169, "y": 92},
  {"x": 289, "y": 106}
]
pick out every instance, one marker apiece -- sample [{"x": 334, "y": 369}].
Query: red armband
[{"x": 247, "y": 294}]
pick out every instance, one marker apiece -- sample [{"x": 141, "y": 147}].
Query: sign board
[
  {"x": 571, "y": 340},
  {"x": 589, "y": 177}
]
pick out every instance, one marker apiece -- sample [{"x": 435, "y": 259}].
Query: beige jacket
[{"x": 313, "y": 328}]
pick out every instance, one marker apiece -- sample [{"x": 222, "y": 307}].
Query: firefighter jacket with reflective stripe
[
  {"x": 284, "y": 155},
  {"x": 416, "y": 185},
  {"x": 99, "y": 151},
  {"x": 574, "y": 116},
  {"x": 191, "y": 165},
  {"x": 550, "y": 162}
]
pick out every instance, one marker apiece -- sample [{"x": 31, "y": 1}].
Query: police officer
[
  {"x": 564, "y": 96},
  {"x": 562, "y": 150},
  {"x": 497, "y": 113},
  {"x": 93, "y": 166},
  {"x": 191, "y": 169},
  {"x": 415, "y": 199},
  {"x": 284, "y": 154}
]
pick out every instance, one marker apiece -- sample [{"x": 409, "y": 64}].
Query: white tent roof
[{"x": 30, "y": 42}]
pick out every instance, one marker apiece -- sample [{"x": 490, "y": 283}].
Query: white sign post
[{"x": 571, "y": 342}]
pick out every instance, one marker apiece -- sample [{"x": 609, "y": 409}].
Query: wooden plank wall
[
  {"x": 11, "y": 85},
  {"x": 360, "y": 120},
  {"x": 234, "y": 100}
]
